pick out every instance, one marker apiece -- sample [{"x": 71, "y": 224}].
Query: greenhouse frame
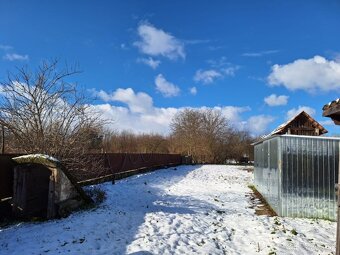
[{"x": 297, "y": 174}]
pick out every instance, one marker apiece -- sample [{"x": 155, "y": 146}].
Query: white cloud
[
  {"x": 137, "y": 102},
  {"x": 259, "y": 53},
  {"x": 196, "y": 41},
  {"x": 150, "y": 62},
  {"x": 256, "y": 125},
  {"x": 218, "y": 69},
  {"x": 230, "y": 71},
  {"x": 14, "y": 57},
  {"x": 5, "y": 47},
  {"x": 141, "y": 116},
  {"x": 314, "y": 74},
  {"x": 101, "y": 94},
  {"x": 274, "y": 100},
  {"x": 327, "y": 123},
  {"x": 219, "y": 63},
  {"x": 337, "y": 57},
  {"x": 193, "y": 90},
  {"x": 207, "y": 76},
  {"x": 121, "y": 118},
  {"x": 156, "y": 121},
  {"x": 167, "y": 88},
  {"x": 259, "y": 124},
  {"x": 233, "y": 115},
  {"x": 295, "y": 111},
  {"x": 156, "y": 42}
]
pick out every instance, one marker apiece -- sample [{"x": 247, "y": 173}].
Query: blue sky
[{"x": 260, "y": 62}]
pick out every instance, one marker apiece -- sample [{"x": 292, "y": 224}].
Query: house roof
[
  {"x": 282, "y": 127},
  {"x": 332, "y": 110},
  {"x": 333, "y": 104}
]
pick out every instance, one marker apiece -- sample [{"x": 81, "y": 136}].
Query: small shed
[
  {"x": 44, "y": 188},
  {"x": 296, "y": 173}
]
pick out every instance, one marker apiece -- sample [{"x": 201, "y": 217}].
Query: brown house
[
  {"x": 301, "y": 124},
  {"x": 332, "y": 110}
]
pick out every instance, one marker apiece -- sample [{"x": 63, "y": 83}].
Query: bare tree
[
  {"x": 125, "y": 141},
  {"x": 201, "y": 134},
  {"x": 45, "y": 113},
  {"x": 187, "y": 133},
  {"x": 207, "y": 137},
  {"x": 152, "y": 143}
]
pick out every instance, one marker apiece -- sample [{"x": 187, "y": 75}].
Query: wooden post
[
  {"x": 332, "y": 110},
  {"x": 3, "y": 140},
  {"x": 337, "y": 188},
  {"x": 338, "y": 231}
]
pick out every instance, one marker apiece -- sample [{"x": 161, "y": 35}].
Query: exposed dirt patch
[
  {"x": 249, "y": 169},
  {"x": 258, "y": 203}
]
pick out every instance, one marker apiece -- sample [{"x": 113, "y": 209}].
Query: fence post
[
  {"x": 332, "y": 110},
  {"x": 338, "y": 211},
  {"x": 3, "y": 139}
]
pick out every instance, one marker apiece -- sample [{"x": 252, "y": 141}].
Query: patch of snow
[
  {"x": 183, "y": 210},
  {"x": 38, "y": 156}
]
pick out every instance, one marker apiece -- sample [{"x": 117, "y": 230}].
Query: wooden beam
[
  {"x": 332, "y": 110},
  {"x": 302, "y": 128},
  {"x": 336, "y": 121}
]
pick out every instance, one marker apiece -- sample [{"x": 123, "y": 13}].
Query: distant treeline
[
  {"x": 41, "y": 112},
  {"x": 203, "y": 134}
]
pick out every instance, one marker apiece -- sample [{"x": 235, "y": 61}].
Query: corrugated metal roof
[{"x": 298, "y": 136}]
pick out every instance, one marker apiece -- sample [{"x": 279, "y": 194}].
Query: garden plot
[{"x": 183, "y": 210}]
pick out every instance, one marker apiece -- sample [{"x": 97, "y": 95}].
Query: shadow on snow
[{"x": 111, "y": 227}]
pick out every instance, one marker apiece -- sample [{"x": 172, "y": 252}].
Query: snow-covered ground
[{"x": 188, "y": 210}]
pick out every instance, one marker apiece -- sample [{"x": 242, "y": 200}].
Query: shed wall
[
  {"x": 309, "y": 173},
  {"x": 297, "y": 174},
  {"x": 267, "y": 173}
]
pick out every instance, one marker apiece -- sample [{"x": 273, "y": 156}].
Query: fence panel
[
  {"x": 113, "y": 163},
  {"x": 6, "y": 184},
  {"x": 119, "y": 163},
  {"x": 6, "y": 175}
]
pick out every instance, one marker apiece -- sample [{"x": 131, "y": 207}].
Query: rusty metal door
[{"x": 31, "y": 187}]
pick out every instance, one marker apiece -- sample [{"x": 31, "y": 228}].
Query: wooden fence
[
  {"x": 115, "y": 166},
  {"x": 6, "y": 184},
  {"x": 121, "y": 165}
]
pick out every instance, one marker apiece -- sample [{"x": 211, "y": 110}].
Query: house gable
[{"x": 301, "y": 124}]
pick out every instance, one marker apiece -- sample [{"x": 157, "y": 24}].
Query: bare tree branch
[{"x": 44, "y": 113}]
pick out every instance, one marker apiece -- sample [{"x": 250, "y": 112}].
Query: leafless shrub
[
  {"x": 122, "y": 142},
  {"x": 45, "y": 113}
]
